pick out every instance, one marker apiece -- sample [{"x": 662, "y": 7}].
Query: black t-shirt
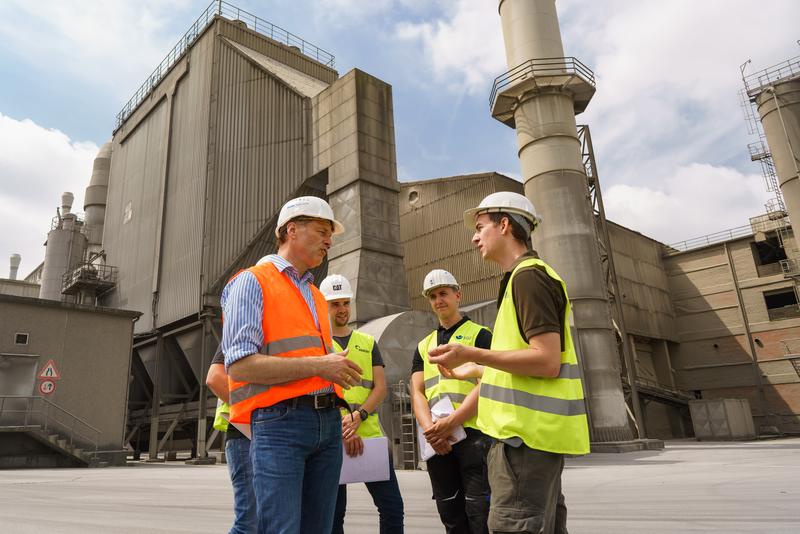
[
  {"x": 443, "y": 335},
  {"x": 539, "y": 300},
  {"x": 377, "y": 359}
]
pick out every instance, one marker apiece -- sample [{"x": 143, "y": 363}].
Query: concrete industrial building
[{"x": 242, "y": 115}]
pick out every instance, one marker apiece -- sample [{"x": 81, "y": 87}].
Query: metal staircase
[{"x": 38, "y": 433}]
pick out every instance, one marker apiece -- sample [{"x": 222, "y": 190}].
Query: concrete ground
[{"x": 751, "y": 487}]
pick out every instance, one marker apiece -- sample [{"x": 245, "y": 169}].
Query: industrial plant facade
[{"x": 242, "y": 116}]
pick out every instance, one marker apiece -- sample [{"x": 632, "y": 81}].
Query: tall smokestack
[
  {"x": 66, "y": 202},
  {"x": 539, "y": 97},
  {"x": 14, "y": 266},
  {"x": 94, "y": 203}
]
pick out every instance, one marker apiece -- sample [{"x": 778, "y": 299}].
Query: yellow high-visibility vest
[
  {"x": 360, "y": 352},
  {"x": 549, "y": 414},
  {"x": 220, "y": 423},
  {"x": 437, "y": 386}
]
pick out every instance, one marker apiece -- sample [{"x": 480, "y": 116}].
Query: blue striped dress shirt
[{"x": 243, "y": 307}]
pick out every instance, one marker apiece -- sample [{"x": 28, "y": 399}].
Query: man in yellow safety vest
[
  {"x": 457, "y": 470},
  {"x": 531, "y": 395},
  {"x": 363, "y": 398}
]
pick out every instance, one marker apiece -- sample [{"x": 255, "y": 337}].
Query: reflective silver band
[
  {"x": 245, "y": 392},
  {"x": 539, "y": 403},
  {"x": 455, "y": 398},
  {"x": 287, "y": 344},
  {"x": 569, "y": 370}
]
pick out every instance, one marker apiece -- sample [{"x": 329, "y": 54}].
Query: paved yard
[{"x": 751, "y": 487}]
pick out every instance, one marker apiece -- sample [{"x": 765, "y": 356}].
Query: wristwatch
[{"x": 363, "y": 413}]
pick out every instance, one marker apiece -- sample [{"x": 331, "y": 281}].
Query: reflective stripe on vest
[
  {"x": 437, "y": 386},
  {"x": 360, "y": 352},
  {"x": 549, "y": 414},
  {"x": 289, "y": 332}
]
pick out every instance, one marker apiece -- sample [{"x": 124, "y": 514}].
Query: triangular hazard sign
[{"x": 49, "y": 371}]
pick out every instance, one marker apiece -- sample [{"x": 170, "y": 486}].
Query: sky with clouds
[{"x": 669, "y": 135}]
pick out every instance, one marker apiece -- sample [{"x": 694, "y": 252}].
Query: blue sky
[{"x": 669, "y": 135}]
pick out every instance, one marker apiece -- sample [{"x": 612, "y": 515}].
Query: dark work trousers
[
  {"x": 526, "y": 491},
  {"x": 461, "y": 486}
]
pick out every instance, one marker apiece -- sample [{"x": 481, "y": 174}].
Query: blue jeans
[
  {"x": 387, "y": 498},
  {"x": 297, "y": 458},
  {"x": 237, "y": 452}
]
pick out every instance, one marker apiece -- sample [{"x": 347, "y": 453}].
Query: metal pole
[
  {"x": 156, "y": 402},
  {"x": 202, "y": 453}
]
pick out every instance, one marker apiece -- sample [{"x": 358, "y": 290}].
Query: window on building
[
  {"x": 20, "y": 338},
  {"x": 768, "y": 254},
  {"x": 781, "y": 304}
]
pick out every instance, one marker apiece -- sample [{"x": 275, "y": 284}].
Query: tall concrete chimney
[
  {"x": 776, "y": 93},
  {"x": 539, "y": 96},
  {"x": 67, "y": 199},
  {"x": 14, "y": 266},
  {"x": 94, "y": 203}
]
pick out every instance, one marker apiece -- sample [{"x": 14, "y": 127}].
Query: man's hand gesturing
[{"x": 339, "y": 370}]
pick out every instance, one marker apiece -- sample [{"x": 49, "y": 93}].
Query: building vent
[{"x": 20, "y": 338}]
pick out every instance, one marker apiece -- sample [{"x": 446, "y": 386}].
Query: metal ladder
[{"x": 401, "y": 407}]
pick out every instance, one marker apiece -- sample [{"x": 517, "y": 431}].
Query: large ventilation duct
[
  {"x": 65, "y": 248},
  {"x": 94, "y": 204},
  {"x": 539, "y": 97},
  {"x": 14, "y": 262}
]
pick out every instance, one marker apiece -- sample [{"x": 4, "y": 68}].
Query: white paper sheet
[
  {"x": 371, "y": 466},
  {"x": 441, "y": 409}
]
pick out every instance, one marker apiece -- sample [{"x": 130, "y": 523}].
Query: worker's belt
[{"x": 318, "y": 402}]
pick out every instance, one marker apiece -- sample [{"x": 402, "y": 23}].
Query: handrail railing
[
  {"x": 781, "y": 71},
  {"x": 227, "y": 10},
  {"x": 557, "y": 66},
  {"x": 89, "y": 273},
  {"x": 710, "y": 239},
  {"x": 49, "y": 416}
]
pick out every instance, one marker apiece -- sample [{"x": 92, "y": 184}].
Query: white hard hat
[
  {"x": 504, "y": 202},
  {"x": 307, "y": 207},
  {"x": 438, "y": 278},
  {"x": 336, "y": 286}
]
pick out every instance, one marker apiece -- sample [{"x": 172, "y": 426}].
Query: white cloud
[
  {"x": 696, "y": 200},
  {"x": 36, "y": 165},
  {"x": 465, "y": 51},
  {"x": 109, "y": 44},
  {"x": 666, "y": 106}
]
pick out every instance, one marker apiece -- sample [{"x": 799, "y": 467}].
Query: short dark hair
[
  {"x": 302, "y": 219},
  {"x": 517, "y": 231}
]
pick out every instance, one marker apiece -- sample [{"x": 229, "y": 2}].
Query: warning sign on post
[
  {"x": 47, "y": 387},
  {"x": 49, "y": 372}
]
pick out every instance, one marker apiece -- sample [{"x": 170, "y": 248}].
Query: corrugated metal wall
[
  {"x": 179, "y": 291},
  {"x": 129, "y": 237},
  {"x": 434, "y": 236},
  {"x": 261, "y": 152}
]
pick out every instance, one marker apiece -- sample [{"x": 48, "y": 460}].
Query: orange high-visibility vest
[{"x": 289, "y": 332}]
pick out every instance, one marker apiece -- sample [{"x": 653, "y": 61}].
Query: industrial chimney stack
[
  {"x": 14, "y": 266},
  {"x": 539, "y": 96}
]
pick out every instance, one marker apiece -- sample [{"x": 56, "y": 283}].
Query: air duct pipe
[
  {"x": 539, "y": 97},
  {"x": 94, "y": 204},
  {"x": 14, "y": 262}
]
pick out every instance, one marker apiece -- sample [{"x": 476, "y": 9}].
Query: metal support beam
[{"x": 154, "y": 407}]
